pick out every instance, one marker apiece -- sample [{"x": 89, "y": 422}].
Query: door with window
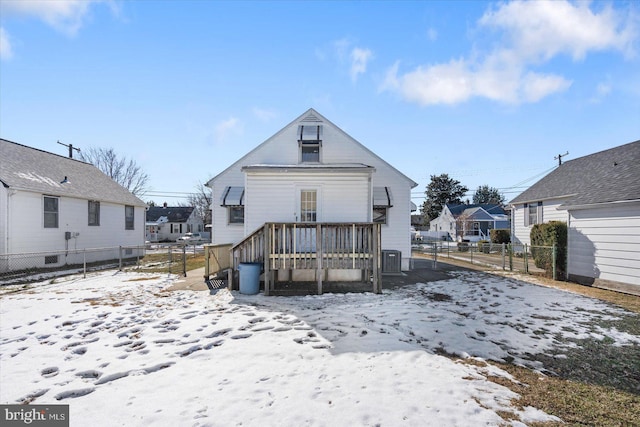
[{"x": 308, "y": 205}]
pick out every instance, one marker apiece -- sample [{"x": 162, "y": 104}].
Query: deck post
[
  {"x": 267, "y": 257},
  {"x": 377, "y": 285},
  {"x": 319, "y": 257}
]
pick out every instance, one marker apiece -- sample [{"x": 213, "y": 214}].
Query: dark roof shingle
[
  {"x": 173, "y": 213},
  {"x": 607, "y": 176},
  {"x": 30, "y": 169}
]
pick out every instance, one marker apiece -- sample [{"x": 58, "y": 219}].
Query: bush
[
  {"x": 463, "y": 246},
  {"x": 500, "y": 236},
  {"x": 550, "y": 234}
]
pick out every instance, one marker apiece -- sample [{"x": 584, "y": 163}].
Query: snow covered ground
[{"x": 121, "y": 350}]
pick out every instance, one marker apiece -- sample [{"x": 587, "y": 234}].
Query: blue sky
[{"x": 488, "y": 92}]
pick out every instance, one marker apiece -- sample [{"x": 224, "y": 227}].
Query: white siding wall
[
  {"x": 4, "y": 218},
  {"x": 27, "y": 232},
  {"x": 445, "y": 223},
  {"x": 604, "y": 243},
  {"x": 274, "y": 197},
  {"x": 550, "y": 212},
  {"x": 337, "y": 147}
]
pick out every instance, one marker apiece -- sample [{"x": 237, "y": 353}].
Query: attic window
[{"x": 310, "y": 141}]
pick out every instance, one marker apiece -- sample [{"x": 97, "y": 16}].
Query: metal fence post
[
  {"x": 120, "y": 258},
  {"x": 471, "y": 251},
  {"x": 435, "y": 255},
  {"x": 510, "y": 249},
  {"x": 170, "y": 257},
  {"x": 84, "y": 263},
  {"x": 184, "y": 260},
  {"x": 554, "y": 253},
  {"x": 503, "y": 259},
  {"x": 525, "y": 255}
]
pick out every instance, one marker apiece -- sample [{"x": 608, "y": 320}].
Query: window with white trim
[
  {"x": 129, "y": 223},
  {"x": 51, "y": 212},
  {"x": 310, "y": 141},
  {"x": 532, "y": 213},
  {"x": 308, "y": 205},
  {"x": 236, "y": 214},
  {"x": 94, "y": 212}
]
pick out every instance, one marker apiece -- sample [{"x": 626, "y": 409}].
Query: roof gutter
[{"x": 597, "y": 205}]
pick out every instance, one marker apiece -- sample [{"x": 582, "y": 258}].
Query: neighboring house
[
  {"x": 469, "y": 222},
  {"x": 312, "y": 171},
  {"x": 598, "y": 196},
  {"x": 53, "y": 203},
  {"x": 167, "y": 223}
]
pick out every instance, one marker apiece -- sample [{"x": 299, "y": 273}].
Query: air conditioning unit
[{"x": 391, "y": 261}]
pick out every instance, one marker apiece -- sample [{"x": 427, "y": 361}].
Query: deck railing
[{"x": 313, "y": 246}]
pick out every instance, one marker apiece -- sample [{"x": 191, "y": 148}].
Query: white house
[
  {"x": 469, "y": 222},
  {"x": 54, "y": 203},
  {"x": 312, "y": 172},
  {"x": 598, "y": 196},
  {"x": 167, "y": 223}
]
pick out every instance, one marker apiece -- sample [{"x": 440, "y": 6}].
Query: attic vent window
[
  {"x": 310, "y": 141},
  {"x": 310, "y": 133},
  {"x": 382, "y": 201}
]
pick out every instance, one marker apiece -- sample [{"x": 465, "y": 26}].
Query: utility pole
[
  {"x": 559, "y": 158},
  {"x": 71, "y": 148}
]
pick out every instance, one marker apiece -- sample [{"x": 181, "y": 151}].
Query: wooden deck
[{"x": 319, "y": 253}]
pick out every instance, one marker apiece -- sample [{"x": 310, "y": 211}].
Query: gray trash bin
[{"x": 249, "y": 277}]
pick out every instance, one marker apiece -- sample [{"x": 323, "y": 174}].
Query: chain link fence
[
  {"x": 542, "y": 260},
  {"x": 25, "y": 268}
]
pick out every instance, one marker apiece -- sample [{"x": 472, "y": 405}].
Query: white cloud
[
  {"x": 66, "y": 16},
  {"x": 359, "y": 59},
  {"x": 226, "y": 128},
  {"x": 532, "y": 34},
  {"x": 264, "y": 115},
  {"x": 603, "y": 89},
  {"x": 540, "y": 30},
  {"x": 432, "y": 34},
  {"x": 5, "y": 45}
]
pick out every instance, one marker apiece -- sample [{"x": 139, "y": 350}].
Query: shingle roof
[
  {"x": 30, "y": 169},
  {"x": 607, "y": 176},
  {"x": 173, "y": 213},
  {"x": 492, "y": 209}
]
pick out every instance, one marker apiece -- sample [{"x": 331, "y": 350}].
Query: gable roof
[
  {"x": 607, "y": 176},
  {"x": 172, "y": 213},
  {"x": 491, "y": 209},
  {"x": 30, "y": 169},
  {"x": 311, "y": 115}
]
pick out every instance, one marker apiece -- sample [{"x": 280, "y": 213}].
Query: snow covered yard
[{"x": 120, "y": 350}]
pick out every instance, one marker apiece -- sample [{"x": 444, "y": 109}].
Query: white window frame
[
  {"x": 94, "y": 217},
  {"x": 51, "y": 213},
  {"x": 129, "y": 220}
]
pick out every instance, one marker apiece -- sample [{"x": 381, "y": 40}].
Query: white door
[{"x": 308, "y": 205}]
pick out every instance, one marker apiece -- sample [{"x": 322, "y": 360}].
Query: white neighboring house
[
  {"x": 167, "y": 223},
  {"x": 312, "y": 171},
  {"x": 469, "y": 222},
  {"x": 54, "y": 203},
  {"x": 598, "y": 196}
]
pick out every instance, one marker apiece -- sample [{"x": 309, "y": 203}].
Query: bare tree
[
  {"x": 201, "y": 201},
  {"x": 122, "y": 170}
]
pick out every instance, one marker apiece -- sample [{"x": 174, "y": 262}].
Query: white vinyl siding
[
  {"x": 604, "y": 243},
  {"x": 278, "y": 204},
  {"x": 27, "y": 210},
  {"x": 550, "y": 212},
  {"x": 273, "y": 197}
]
